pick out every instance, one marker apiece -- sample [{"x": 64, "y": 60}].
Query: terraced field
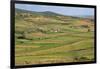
[{"x": 46, "y": 39}]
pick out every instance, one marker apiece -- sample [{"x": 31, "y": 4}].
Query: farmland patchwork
[{"x": 47, "y": 37}]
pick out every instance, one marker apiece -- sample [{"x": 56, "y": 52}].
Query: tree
[{"x": 88, "y": 30}]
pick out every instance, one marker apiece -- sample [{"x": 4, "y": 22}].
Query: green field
[{"x": 45, "y": 39}]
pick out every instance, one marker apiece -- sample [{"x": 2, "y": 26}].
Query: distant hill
[
  {"x": 86, "y": 16},
  {"x": 49, "y": 21},
  {"x": 49, "y": 13},
  {"x": 37, "y": 13}
]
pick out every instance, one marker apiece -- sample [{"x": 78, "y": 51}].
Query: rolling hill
[{"x": 48, "y": 37}]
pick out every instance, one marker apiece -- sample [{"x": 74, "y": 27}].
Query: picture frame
[{"x": 13, "y": 32}]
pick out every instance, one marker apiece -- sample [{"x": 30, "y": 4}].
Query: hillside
[{"x": 48, "y": 37}]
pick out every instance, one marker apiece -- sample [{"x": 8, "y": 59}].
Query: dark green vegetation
[{"x": 47, "y": 37}]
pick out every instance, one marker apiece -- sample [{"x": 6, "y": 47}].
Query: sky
[{"x": 73, "y": 11}]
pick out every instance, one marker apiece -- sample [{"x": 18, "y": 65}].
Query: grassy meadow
[{"x": 42, "y": 38}]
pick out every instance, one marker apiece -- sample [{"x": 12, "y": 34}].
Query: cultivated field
[{"x": 41, "y": 38}]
